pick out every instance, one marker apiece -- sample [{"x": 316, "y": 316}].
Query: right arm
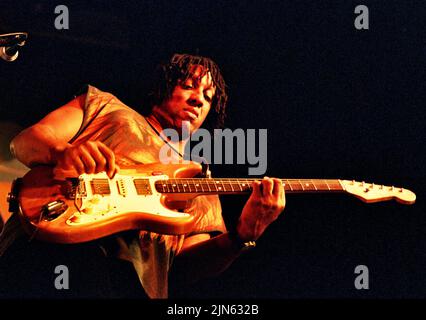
[{"x": 46, "y": 142}]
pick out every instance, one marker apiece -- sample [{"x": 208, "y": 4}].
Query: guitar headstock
[{"x": 370, "y": 192}]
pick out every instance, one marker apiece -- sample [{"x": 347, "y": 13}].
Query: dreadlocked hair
[{"x": 179, "y": 68}]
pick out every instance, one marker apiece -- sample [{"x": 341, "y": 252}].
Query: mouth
[{"x": 192, "y": 114}]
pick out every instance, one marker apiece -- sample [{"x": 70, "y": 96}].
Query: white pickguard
[{"x": 123, "y": 198}]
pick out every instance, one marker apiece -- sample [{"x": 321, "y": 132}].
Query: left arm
[{"x": 202, "y": 256}]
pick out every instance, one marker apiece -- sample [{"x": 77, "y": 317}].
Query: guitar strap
[{"x": 205, "y": 173}]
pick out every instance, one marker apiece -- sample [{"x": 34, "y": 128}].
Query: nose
[{"x": 195, "y": 101}]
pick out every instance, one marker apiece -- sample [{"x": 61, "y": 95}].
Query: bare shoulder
[{"x": 60, "y": 125}]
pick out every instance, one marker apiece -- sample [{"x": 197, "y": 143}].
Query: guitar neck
[
  {"x": 368, "y": 192},
  {"x": 241, "y": 186}
]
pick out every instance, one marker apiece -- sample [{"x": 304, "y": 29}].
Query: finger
[
  {"x": 116, "y": 170},
  {"x": 65, "y": 160},
  {"x": 97, "y": 155},
  {"x": 88, "y": 161},
  {"x": 256, "y": 189},
  {"x": 75, "y": 161},
  {"x": 110, "y": 157},
  {"x": 278, "y": 189},
  {"x": 66, "y": 163},
  {"x": 267, "y": 185}
]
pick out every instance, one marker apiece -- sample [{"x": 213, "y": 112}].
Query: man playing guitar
[{"x": 96, "y": 132}]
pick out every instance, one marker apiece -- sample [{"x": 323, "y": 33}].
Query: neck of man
[{"x": 156, "y": 124}]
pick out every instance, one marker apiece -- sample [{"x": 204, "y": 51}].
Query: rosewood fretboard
[{"x": 228, "y": 185}]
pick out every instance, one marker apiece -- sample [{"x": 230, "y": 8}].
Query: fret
[
  {"x": 321, "y": 185},
  {"x": 227, "y": 186},
  {"x": 222, "y": 187},
  {"x": 289, "y": 184},
  {"x": 334, "y": 185},
  {"x": 160, "y": 186},
  {"x": 230, "y": 183},
  {"x": 235, "y": 185},
  {"x": 177, "y": 185},
  {"x": 143, "y": 184},
  {"x": 204, "y": 185},
  {"x": 213, "y": 186},
  {"x": 184, "y": 185},
  {"x": 173, "y": 185},
  {"x": 245, "y": 185},
  {"x": 330, "y": 184},
  {"x": 295, "y": 185},
  {"x": 327, "y": 185},
  {"x": 197, "y": 186},
  {"x": 189, "y": 184},
  {"x": 239, "y": 184},
  {"x": 313, "y": 183},
  {"x": 307, "y": 185}
]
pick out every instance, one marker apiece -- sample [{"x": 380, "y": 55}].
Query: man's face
[{"x": 189, "y": 103}]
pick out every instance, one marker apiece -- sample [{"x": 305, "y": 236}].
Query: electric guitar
[{"x": 147, "y": 197}]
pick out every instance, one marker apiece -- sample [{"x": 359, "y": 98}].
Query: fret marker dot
[
  {"x": 307, "y": 184},
  {"x": 197, "y": 185},
  {"x": 220, "y": 188}
]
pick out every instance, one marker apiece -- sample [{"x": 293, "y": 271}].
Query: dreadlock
[{"x": 180, "y": 68}]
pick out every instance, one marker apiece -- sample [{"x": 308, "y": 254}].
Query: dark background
[{"x": 337, "y": 102}]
